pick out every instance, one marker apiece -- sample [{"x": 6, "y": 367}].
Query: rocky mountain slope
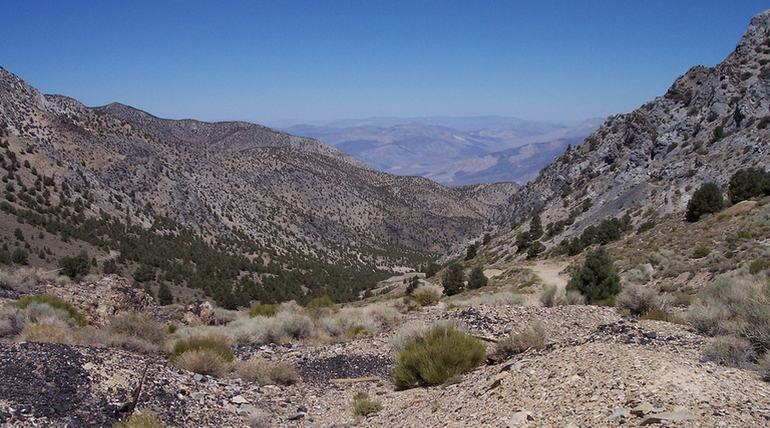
[
  {"x": 246, "y": 189},
  {"x": 485, "y": 150},
  {"x": 711, "y": 122}
]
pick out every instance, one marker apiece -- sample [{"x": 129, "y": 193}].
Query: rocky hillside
[
  {"x": 711, "y": 122},
  {"x": 244, "y": 188}
]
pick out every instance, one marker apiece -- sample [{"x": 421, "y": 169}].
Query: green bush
[
  {"x": 454, "y": 280},
  {"x": 364, "y": 406},
  {"x": 321, "y": 302},
  {"x": 535, "y": 248},
  {"x": 748, "y": 183},
  {"x": 700, "y": 252},
  {"x": 263, "y": 310},
  {"x": 477, "y": 279},
  {"x": 471, "y": 251},
  {"x": 596, "y": 279},
  {"x": 55, "y": 303},
  {"x": 75, "y": 267},
  {"x": 439, "y": 354},
  {"x": 706, "y": 200},
  {"x": 211, "y": 343},
  {"x": 164, "y": 295},
  {"x": 759, "y": 265}
]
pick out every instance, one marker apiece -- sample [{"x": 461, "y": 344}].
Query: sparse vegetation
[
  {"x": 363, "y": 405},
  {"x": 211, "y": 344},
  {"x": 439, "y": 354},
  {"x": 141, "y": 420},
  {"x": 263, "y": 310},
  {"x": 638, "y": 300},
  {"x": 532, "y": 337},
  {"x": 53, "y": 302},
  {"x": 729, "y": 351}
]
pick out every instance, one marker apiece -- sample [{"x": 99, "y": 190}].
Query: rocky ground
[{"x": 597, "y": 369}]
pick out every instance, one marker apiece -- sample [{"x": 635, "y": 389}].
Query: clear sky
[{"x": 324, "y": 59}]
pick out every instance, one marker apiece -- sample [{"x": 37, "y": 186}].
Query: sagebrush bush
[
  {"x": 52, "y": 332},
  {"x": 141, "y": 420},
  {"x": 549, "y": 297},
  {"x": 215, "y": 344},
  {"x": 204, "y": 361},
  {"x": 265, "y": 372},
  {"x": 442, "y": 352},
  {"x": 759, "y": 265},
  {"x": 532, "y": 337},
  {"x": 734, "y": 306},
  {"x": 427, "y": 295},
  {"x": 573, "y": 297},
  {"x": 264, "y": 310},
  {"x": 53, "y": 302},
  {"x": 639, "y": 300},
  {"x": 363, "y": 405},
  {"x": 12, "y": 320},
  {"x": 729, "y": 351},
  {"x": 139, "y": 326},
  {"x": 700, "y": 252}
]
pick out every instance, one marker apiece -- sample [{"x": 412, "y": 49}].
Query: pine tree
[
  {"x": 706, "y": 200},
  {"x": 454, "y": 280},
  {"x": 748, "y": 183},
  {"x": 164, "y": 295},
  {"x": 412, "y": 284},
  {"x": 471, "y": 252},
  {"x": 535, "y": 228},
  {"x": 477, "y": 279},
  {"x": 596, "y": 279}
]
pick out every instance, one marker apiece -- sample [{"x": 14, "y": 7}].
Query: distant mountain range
[{"x": 451, "y": 150}]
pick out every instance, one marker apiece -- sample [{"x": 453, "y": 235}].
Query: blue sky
[{"x": 324, "y": 59}]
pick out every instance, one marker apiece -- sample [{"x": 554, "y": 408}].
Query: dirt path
[{"x": 550, "y": 272}]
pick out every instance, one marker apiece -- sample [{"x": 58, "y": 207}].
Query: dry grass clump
[
  {"x": 141, "y": 420},
  {"x": 265, "y": 372},
  {"x": 203, "y": 361},
  {"x": 217, "y": 344},
  {"x": 549, "y": 296},
  {"x": 50, "y": 331},
  {"x": 532, "y": 337},
  {"x": 140, "y": 326},
  {"x": 12, "y": 320},
  {"x": 439, "y": 354},
  {"x": 638, "y": 300},
  {"x": 501, "y": 298},
  {"x": 353, "y": 322},
  {"x": 729, "y": 351},
  {"x": 363, "y": 405},
  {"x": 427, "y": 295}
]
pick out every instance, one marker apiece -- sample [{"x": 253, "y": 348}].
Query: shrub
[
  {"x": 263, "y": 310},
  {"x": 439, "y": 354},
  {"x": 454, "y": 280},
  {"x": 548, "y": 297},
  {"x": 764, "y": 367},
  {"x": 412, "y": 285},
  {"x": 470, "y": 253},
  {"x": 729, "y": 351},
  {"x": 759, "y": 265},
  {"x": 431, "y": 269},
  {"x": 574, "y": 298},
  {"x": 216, "y": 344},
  {"x": 140, "y": 420},
  {"x": 734, "y": 306},
  {"x": 748, "y": 183},
  {"x": 55, "y": 303},
  {"x": 52, "y": 332},
  {"x": 75, "y": 267},
  {"x": 406, "y": 334},
  {"x": 12, "y": 320},
  {"x": 139, "y": 326},
  {"x": 477, "y": 279},
  {"x": 364, "y": 406},
  {"x": 706, "y": 200},
  {"x": 260, "y": 329},
  {"x": 19, "y": 256},
  {"x": 534, "y": 249},
  {"x": 164, "y": 295},
  {"x": 427, "y": 295},
  {"x": 700, "y": 252},
  {"x": 532, "y": 337},
  {"x": 267, "y": 373},
  {"x": 319, "y": 303},
  {"x": 638, "y": 300},
  {"x": 204, "y": 361},
  {"x": 596, "y": 279}
]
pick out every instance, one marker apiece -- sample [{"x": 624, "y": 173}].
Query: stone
[
  {"x": 521, "y": 418},
  {"x": 295, "y": 416},
  {"x": 238, "y": 399},
  {"x": 619, "y": 414},
  {"x": 643, "y": 409},
  {"x": 658, "y": 418}
]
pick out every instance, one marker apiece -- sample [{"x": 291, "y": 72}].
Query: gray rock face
[{"x": 711, "y": 122}]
